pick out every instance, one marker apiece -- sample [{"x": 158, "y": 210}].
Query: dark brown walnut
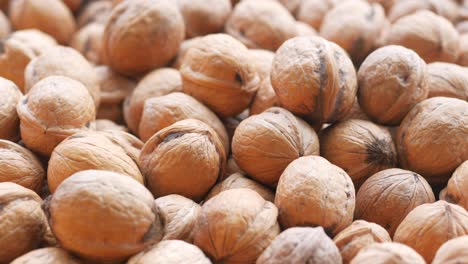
[
  {"x": 392, "y": 80},
  {"x": 219, "y": 71},
  {"x": 88, "y": 41},
  {"x": 358, "y": 31},
  {"x": 55, "y": 108},
  {"x": 203, "y": 17},
  {"x": 314, "y": 78},
  {"x": 264, "y": 145},
  {"x": 18, "y": 50},
  {"x": 313, "y": 12},
  {"x": 180, "y": 215},
  {"x": 303, "y": 29},
  {"x": 171, "y": 252},
  {"x": 448, "y": 80},
  {"x": 448, "y": 9},
  {"x": 49, "y": 16},
  {"x": 90, "y": 150},
  {"x": 5, "y": 27},
  {"x": 105, "y": 125},
  {"x": 356, "y": 112},
  {"x": 184, "y": 158},
  {"x": 95, "y": 12},
  {"x": 66, "y": 62},
  {"x": 387, "y": 4},
  {"x": 237, "y": 181},
  {"x": 301, "y": 245},
  {"x": 429, "y": 226},
  {"x": 388, "y": 196},
  {"x": 453, "y": 251},
  {"x": 357, "y": 236},
  {"x": 389, "y": 252},
  {"x": 236, "y": 226},
  {"x": 9, "y": 120},
  {"x": 232, "y": 168},
  {"x": 359, "y": 147},
  {"x": 159, "y": 23},
  {"x": 22, "y": 221},
  {"x": 161, "y": 112},
  {"x": 231, "y": 123},
  {"x": 261, "y": 24},
  {"x": 458, "y": 185},
  {"x": 49, "y": 255},
  {"x": 436, "y": 41},
  {"x": 463, "y": 56},
  {"x": 314, "y": 192},
  {"x": 431, "y": 140},
  {"x": 156, "y": 83},
  {"x": 20, "y": 166},
  {"x": 184, "y": 47},
  {"x": 74, "y": 5},
  {"x": 114, "y": 89}
]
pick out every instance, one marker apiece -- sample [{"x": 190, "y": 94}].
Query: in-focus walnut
[
  {"x": 171, "y": 252},
  {"x": 95, "y": 12},
  {"x": 314, "y": 192},
  {"x": 388, "y": 252},
  {"x": 5, "y": 27},
  {"x": 357, "y": 236},
  {"x": 9, "y": 120},
  {"x": 436, "y": 41},
  {"x": 55, "y": 108},
  {"x": 156, "y": 83},
  {"x": 392, "y": 80},
  {"x": 453, "y": 251},
  {"x": 237, "y": 181},
  {"x": 66, "y": 62},
  {"x": 236, "y": 226},
  {"x": 458, "y": 185},
  {"x": 265, "y": 144},
  {"x": 231, "y": 123},
  {"x": 114, "y": 89},
  {"x": 314, "y": 78},
  {"x": 180, "y": 215},
  {"x": 388, "y": 196},
  {"x": 261, "y": 24},
  {"x": 184, "y": 47},
  {"x": 159, "y": 23},
  {"x": 88, "y": 40},
  {"x": 128, "y": 142},
  {"x": 303, "y": 29},
  {"x": 448, "y": 9},
  {"x": 301, "y": 245},
  {"x": 103, "y": 215},
  {"x": 49, "y": 16},
  {"x": 185, "y": 158},
  {"x": 105, "y": 125},
  {"x": 49, "y": 255},
  {"x": 448, "y": 80},
  {"x": 89, "y": 150},
  {"x": 313, "y": 12},
  {"x": 428, "y": 226},
  {"x": 219, "y": 71},
  {"x": 22, "y": 221},
  {"x": 463, "y": 56},
  {"x": 18, "y": 50},
  {"x": 431, "y": 140},
  {"x": 74, "y": 5}
]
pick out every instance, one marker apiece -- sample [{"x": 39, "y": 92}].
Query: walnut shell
[
  {"x": 88, "y": 40},
  {"x": 392, "y": 80},
  {"x": 301, "y": 245},
  {"x": 156, "y": 83},
  {"x": 457, "y": 186},
  {"x": 313, "y": 12},
  {"x": 184, "y": 158},
  {"x": 232, "y": 168},
  {"x": 22, "y": 221},
  {"x": 50, "y": 255},
  {"x": 66, "y": 62},
  {"x": 436, "y": 41},
  {"x": 265, "y": 144},
  {"x": 171, "y": 252},
  {"x": 388, "y": 196},
  {"x": 356, "y": 112},
  {"x": 463, "y": 56},
  {"x": 95, "y": 12},
  {"x": 104, "y": 215},
  {"x": 428, "y": 226},
  {"x": 231, "y": 123},
  {"x": 431, "y": 140},
  {"x": 359, "y": 147},
  {"x": 447, "y": 9},
  {"x": 303, "y": 29},
  {"x": 5, "y": 27},
  {"x": 453, "y": 251},
  {"x": 448, "y": 80},
  {"x": 55, "y": 108},
  {"x": 184, "y": 47},
  {"x": 74, "y": 5},
  {"x": 9, "y": 120},
  {"x": 128, "y": 142},
  {"x": 291, "y": 5},
  {"x": 314, "y": 78},
  {"x": 158, "y": 22},
  {"x": 237, "y": 181},
  {"x": 462, "y": 28},
  {"x": 104, "y": 125},
  {"x": 386, "y": 4},
  {"x": 180, "y": 215},
  {"x": 49, "y": 16},
  {"x": 314, "y": 192},
  {"x": 236, "y": 226},
  {"x": 219, "y": 72},
  {"x": 357, "y": 236},
  {"x": 389, "y": 252}
]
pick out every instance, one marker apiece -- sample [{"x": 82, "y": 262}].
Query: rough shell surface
[
  {"x": 458, "y": 185},
  {"x": 50, "y": 255},
  {"x": 453, "y": 251},
  {"x": 9, "y": 120},
  {"x": 382, "y": 253},
  {"x": 447, "y": 9},
  {"x": 448, "y": 80},
  {"x": 171, "y": 252},
  {"x": 265, "y": 96}
]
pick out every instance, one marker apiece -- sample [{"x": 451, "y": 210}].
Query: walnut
[
  {"x": 232, "y": 168},
  {"x": 128, "y": 142},
  {"x": 87, "y": 41},
  {"x": 303, "y": 29},
  {"x": 314, "y": 78},
  {"x": 74, "y": 5},
  {"x": 453, "y": 251},
  {"x": 5, "y": 27},
  {"x": 236, "y": 226},
  {"x": 265, "y": 144},
  {"x": 171, "y": 252},
  {"x": 105, "y": 125},
  {"x": 55, "y": 108},
  {"x": 463, "y": 58},
  {"x": 447, "y": 9},
  {"x": 231, "y": 123},
  {"x": 95, "y": 12},
  {"x": 386, "y": 4},
  {"x": 389, "y": 252},
  {"x": 158, "y": 22},
  {"x": 462, "y": 28},
  {"x": 356, "y": 112},
  {"x": 314, "y": 192},
  {"x": 457, "y": 186},
  {"x": 9, "y": 120},
  {"x": 49, "y": 16},
  {"x": 448, "y": 80},
  {"x": 313, "y": 12},
  {"x": 219, "y": 72},
  {"x": 291, "y": 5},
  {"x": 184, "y": 47},
  {"x": 49, "y": 255}
]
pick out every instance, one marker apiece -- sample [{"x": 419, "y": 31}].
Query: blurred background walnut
[
  {"x": 9, "y": 120},
  {"x": 457, "y": 186},
  {"x": 448, "y": 80},
  {"x": 171, "y": 251},
  {"x": 87, "y": 41},
  {"x": 388, "y": 252}
]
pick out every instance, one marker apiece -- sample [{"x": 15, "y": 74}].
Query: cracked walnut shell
[
  {"x": 458, "y": 185},
  {"x": 49, "y": 255},
  {"x": 171, "y": 252},
  {"x": 9, "y": 120},
  {"x": 389, "y": 252},
  {"x": 453, "y": 251}
]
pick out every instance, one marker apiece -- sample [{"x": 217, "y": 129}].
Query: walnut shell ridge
[
  {"x": 448, "y": 80},
  {"x": 49, "y": 255},
  {"x": 389, "y": 252},
  {"x": 171, "y": 252}
]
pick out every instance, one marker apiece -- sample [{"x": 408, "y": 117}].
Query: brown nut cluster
[
  {"x": 388, "y": 252},
  {"x": 49, "y": 255},
  {"x": 457, "y": 186},
  {"x": 448, "y": 80},
  {"x": 95, "y": 12},
  {"x": 448, "y": 9},
  {"x": 237, "y": 181},
  {"x": 171, "y": 252},
  {"x": 184, "y": 47},
  {"x": 9, "y": 120},
  {"x": 453, "y": 251},
  {"x": 88, "y": 41}
]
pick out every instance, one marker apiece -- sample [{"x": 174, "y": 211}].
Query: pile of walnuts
[{"x": 233, "y": 131}]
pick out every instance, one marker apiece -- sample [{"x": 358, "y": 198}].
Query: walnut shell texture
[
  {"x": 447, "y": 9},
  {"x": 95, "y": 12},
  {"x": 313, "y": 12},
  {"x": 184, "y": 47},
  {"x": 463, "y": 57},
  {"x": 453, "y": 251},
  {"x": 128, "y": 142},
  {"x": 231, "y": 123},
  {"x": 87, "y": 41},
  {"x": 448, "y": 80},
  {"x": 9, "y": 120},
  {"x": 49, "y": 255},
  {"x": 389, "y": 252},
  {"x": 232, "y": 168},
  {"x": 105, "y": 125},
  {"x": 457, "y": 186},
  {"x": 171, "y": 252}
]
